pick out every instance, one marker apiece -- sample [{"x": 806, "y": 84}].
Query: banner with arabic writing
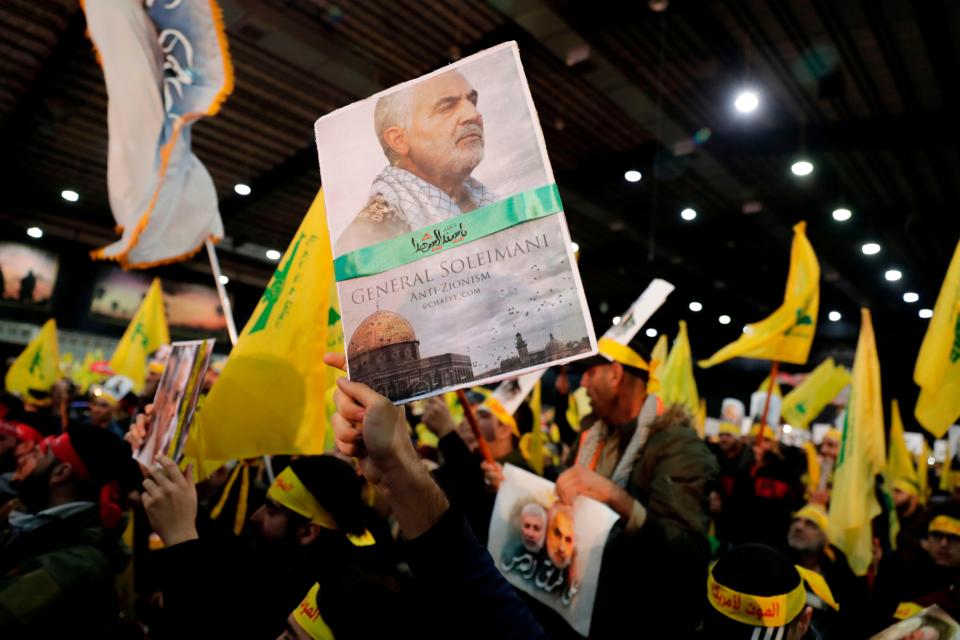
[
  {"x": 453, "y": 261},
  {"x": 549, "y": 550}
]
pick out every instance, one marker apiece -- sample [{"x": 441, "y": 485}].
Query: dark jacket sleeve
[
  {"x": 461, "y": 478},
  {"x": 465, "y": 586}
]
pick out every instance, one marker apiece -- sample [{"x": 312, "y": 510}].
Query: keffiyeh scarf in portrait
[{"x": 419, "y": 203}]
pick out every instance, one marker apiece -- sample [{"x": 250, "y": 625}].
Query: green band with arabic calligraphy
[{"x": 530, "y": 205}]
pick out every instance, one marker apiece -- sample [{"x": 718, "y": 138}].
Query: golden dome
[{"x": 378, "y": 330}]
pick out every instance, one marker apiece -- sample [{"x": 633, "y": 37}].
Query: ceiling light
[
  {"x": 724, "y": 319},
  {"x": 892, "y": 275},
  {"x": 926, "y": 313},
  {"x": 688, "y": 214},
  {"x": 224, "y": 280},
  {"x": 931, "y": 461},
  {"x": 747, "y": 101},
  {"x": 35, "y": 232},
  {"x": 834, "y": 316},
  {"x": 273, "y": 254},
  {"x": 841, "y": 215},
  {"x": 695, "y": 306},
  {"x": 910, "y": 297},
  {"x": 242, "y": 189},
  {"x": 575, "y": 247},
  {"x": 787, "y": 428},
  {"x": 632, "y": 176},
  {"x": 616, "y": 320},
  {"x": 651, "y": 333},
  {"x": 69, "y": 195},
  {"x": 870, "y": 249},
  {"x": 802, "y": 168}
]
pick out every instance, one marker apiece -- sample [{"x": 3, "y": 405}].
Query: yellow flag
[
  {"x": 899, "y": 459},
  {"x": 536, "y": 437},
  {"x": 787, "y": 333},
  {"x": 862, "y": 457},
  {"x": 334, "y": 345},
  {"x": 146, "y": 332},
  {"x": 808, "y": 399},
  {"x": 38, "y": 366},
  {"x": 271, "y": 396},
  {"x": 658, "y": 358},
  {"x": 937, "y": 371},
  {"x": 923, "y": 473},
  {"x": 677, "y": 385},
  {"x": 700, "y": 419},
  {"x": 765, "y": 387}
]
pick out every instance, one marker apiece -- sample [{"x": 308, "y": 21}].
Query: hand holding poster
[
  {"x": 452, "y": 256},
  {"x": 176, "y": 401},
  {"x": 547, "y": 549}
]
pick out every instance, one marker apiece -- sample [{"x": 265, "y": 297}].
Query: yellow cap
[
  {"x": 613, "y": 350},
  {"x": 907, "y": 486},
  {"x": 493, "y": 405},
  {"x": 768, "y": 432},
  {"x": 833, "y": 434},
  {"x": 944, "y": 524},
  {"x": 730, "y": 429}
]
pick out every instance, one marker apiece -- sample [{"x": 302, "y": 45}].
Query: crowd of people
[{"x": 386, "y": 533}]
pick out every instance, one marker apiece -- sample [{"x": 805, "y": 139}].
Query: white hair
[
  {"x": 393, "y": 110},
  {"x": 534, "y": 509}
]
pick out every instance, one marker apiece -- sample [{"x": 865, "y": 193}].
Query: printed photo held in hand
[
  {"x": 175, "y": 403},
  {"x": 549, "y": 549},
  {"x": 928, "y": 624},
  {"x": 452, "y": 256}
]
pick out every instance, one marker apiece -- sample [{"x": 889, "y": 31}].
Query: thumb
[
  {"x": 337, "y": 360},
  {"x": 188, "y": 474}
]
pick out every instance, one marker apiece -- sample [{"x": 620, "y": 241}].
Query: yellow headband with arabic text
[
  {"x": 944, "y": 524},
  {"x": 756, "y": 611},
  {"x": 307, "y": 615},
  {"x": 288, "y": 491},
  {"x": 815, "y": 514}
]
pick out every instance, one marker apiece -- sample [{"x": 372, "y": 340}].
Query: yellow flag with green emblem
[
  {"x": 677, "y": 385},
  {"x": 536, "y": 434},
  {"x": 658, "y": 357},
  {"x": 787, "y": 333},
  {"x": 146, "y": 332},
  {"x": 810, "y": 397},
  {"x": 899, "y": 459},
  {"x": 862, "y": 457},
  {"x": 38, "y": 365},
  {"x": 334, "y": 345},
  {"x": 923, "y": 473},
  {"x": 937, "y": 371},
  {"x": 271, "y": 395}
]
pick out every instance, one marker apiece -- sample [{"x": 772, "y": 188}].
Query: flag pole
[
  {"x": 222, "y": 292},
  {"x": 774, "y": 370},
  {"x": 231, "y": 326},
  {"x": 472, "y": 420}
]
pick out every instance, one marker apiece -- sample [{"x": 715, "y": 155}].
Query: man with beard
[
  {"x": 59, "y": 558},
  {"x": 314, "y": 527},
  {"x": 808, "y": 546},
  {"x": 908, "y": 581},
  {"x": 526, "y": 558},
  {"x": 650, "y": 466},
  {"x": 432, "y": 135}
]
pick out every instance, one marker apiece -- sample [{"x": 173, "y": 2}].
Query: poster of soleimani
[
  {"x": 453, "y": 260},
  {"x": 931, "y": 623},
  {"x": 547, "y": 549}
]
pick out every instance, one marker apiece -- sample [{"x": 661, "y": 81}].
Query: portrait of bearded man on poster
[
  {"x": 432, "y": 135},
  {"x": 546, "y": 554}
]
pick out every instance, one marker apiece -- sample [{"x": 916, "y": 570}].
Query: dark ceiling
[{"x": 864, "y": 89}]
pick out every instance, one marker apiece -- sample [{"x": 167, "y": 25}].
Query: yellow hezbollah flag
[
  {"x": 700, "y": 419},
  {"x": 937, "y": 371},
  {"x": 657, "y": 359},
  {"x": 37, "y": 367},
  {"x": 270, "y": 397},
  {"x": 899, "y": 460},
  {"x": 923, "y": 473},
  {"x": 145, "y": 334},
  {"x": 787, "y": 333},
  {"x": 862, "y": 457},
  {"x": 334, "y": 345},
  {"x": 677, "y": 385},
  {"x": 536, "y": 437},
  {"x": 765, "y": 387},
  {"x": 808, "y": 399}
]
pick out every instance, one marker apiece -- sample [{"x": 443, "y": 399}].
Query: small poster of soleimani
[
  {"x": 549, "y": 550},
  {"x": 452, "y": 256}
]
